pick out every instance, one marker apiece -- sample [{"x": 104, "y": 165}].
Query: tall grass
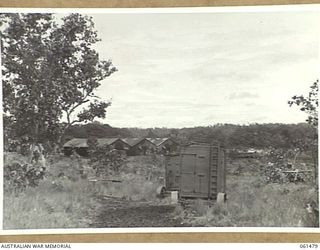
[
  {"x": 64, "y": 199},
  {"x": 68, "y": 199},
  {"x": 60, "y": 204},
  {"x": 252, "y": 204}
]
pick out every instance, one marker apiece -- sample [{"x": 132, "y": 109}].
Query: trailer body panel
[{"x": 199, "y": 171}]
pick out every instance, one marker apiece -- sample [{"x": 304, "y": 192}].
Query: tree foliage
[
  {"x": 282, "y": 136},
  {"x": 308, "y": 104},
  {"x": 105, "y": 160},
  {"x": 95, "y": 130},
  {"x": 50, "y": 72}
]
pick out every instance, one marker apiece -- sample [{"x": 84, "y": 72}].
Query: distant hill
[{"x": 96, "y": 130}]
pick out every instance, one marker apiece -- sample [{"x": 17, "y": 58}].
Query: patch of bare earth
[{"x": 117, "y": 212}]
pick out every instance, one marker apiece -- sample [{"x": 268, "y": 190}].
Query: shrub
[
  {"x": 104, "y": 159},
  {"x": 17, "y": 176}
]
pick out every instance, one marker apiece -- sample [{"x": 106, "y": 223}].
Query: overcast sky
[{"x": 184, "y": 70}]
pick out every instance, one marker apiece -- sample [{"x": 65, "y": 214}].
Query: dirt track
[{"x": 115, "y": 212}]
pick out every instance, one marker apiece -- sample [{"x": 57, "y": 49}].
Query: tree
[
  {"x": 308, "y": 104},
  {"x": 50, "y": 73},
  {"x": 104, "y": 159},
  {"x": 151, "y": 134}
]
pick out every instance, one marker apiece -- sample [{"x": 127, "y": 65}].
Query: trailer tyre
[{"x": 161, "y": 191}]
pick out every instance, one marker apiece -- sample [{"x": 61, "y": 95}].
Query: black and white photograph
[{"x": 160, "y": 118}]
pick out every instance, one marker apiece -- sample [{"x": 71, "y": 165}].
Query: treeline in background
[{"x": 228, "y": 135}]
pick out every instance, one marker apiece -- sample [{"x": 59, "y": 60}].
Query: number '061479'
[{"x": 308, "y": 246}]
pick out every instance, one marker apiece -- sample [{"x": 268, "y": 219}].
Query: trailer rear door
[
  {"x": 194, "y": 175},
  {"x": 173, "y": 172},
  {"x": 188, "y": 165}
]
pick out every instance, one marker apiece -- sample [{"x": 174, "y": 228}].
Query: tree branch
[{"x": 78, "y": 105}]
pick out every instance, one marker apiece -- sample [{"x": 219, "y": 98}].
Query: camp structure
[
  {"x": 132, "y": 146},
  {"x": 80, "y": 145},
  {"x": 139, "y": 146},
  {"x": 165, "y": 145}
]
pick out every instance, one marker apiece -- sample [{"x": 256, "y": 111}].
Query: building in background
[
  {"x": 132, "y": 146},
  {"x": 81, "y": 146},
  {"x": 140, "y": 146},
  {"x": 165, "y": 145}
]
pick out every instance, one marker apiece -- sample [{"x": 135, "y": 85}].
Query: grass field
[
  {"x": 67, "y": 199},
  {"x": 254, "y": 202}
]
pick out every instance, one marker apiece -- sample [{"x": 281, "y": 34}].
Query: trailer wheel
[{"x": 161, "y": 191}]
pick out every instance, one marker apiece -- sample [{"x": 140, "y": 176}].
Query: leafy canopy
[
  {"x": 308, "y": 104},
  {"x": 50, "y": 72}
]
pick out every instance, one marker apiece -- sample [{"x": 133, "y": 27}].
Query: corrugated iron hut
[
  {"x": 115, "y": 143},
  {"x": 139, "y": 146},
  {"x": 165, "y": 145},
  {"x": 80, "y": 145}
]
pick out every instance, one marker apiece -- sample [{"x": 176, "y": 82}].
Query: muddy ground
[{"x": 117, "y": 212}]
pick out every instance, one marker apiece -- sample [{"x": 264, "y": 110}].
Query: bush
[
  {"x": 60, "y": 195},
  {"x": 104, "y": 159},
  {"x": 17, "y": 176}
]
